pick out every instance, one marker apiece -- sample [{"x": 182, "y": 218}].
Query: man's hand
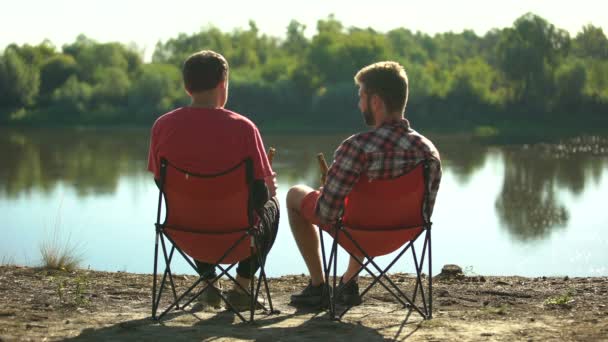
[{"x": 271, "y": 184}]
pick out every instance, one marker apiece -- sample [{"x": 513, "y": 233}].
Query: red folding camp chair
[
  {"x": 210, "y": 218},
  {"x": 379, "y": 217}
]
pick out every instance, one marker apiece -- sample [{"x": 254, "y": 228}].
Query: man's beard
[{"x": 368, "y": 116}]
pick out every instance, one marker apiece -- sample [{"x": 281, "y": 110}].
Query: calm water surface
[{"x": 502, "y": 210}]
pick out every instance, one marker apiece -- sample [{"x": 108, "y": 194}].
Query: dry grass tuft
[
  {"x": 60, "y": 257},
  {"x": 57, "y": 251}
]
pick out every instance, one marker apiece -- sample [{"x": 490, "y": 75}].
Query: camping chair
[
  {"x": 208, "y": 217},
  {"x": 379, "y": 217}
]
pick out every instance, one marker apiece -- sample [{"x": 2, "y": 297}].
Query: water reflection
[
  {"x": 89, "y": 160},
  {"x": 296, "y": 158},
  {"x": 529, "y": 203},
  {"x": 461, "y": 155}
]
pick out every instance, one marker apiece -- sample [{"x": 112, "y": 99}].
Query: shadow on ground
[{"x": 183, "y": 325}]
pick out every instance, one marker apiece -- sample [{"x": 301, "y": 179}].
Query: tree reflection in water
[
  {"x": 89, "y": 160},
  {"x": 529, "y": 204}
]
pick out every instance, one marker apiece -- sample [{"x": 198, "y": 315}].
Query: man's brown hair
[
  {"x": 204, "y": 70},
  {"x": 388, "y": 80}
]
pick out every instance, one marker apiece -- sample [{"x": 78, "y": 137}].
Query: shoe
[
  {"x": 211, "y": 297},
  {"x": 240, "y": 300},
  {"x": 312, "y": 296},
  {"x": 348, "y": 294}
]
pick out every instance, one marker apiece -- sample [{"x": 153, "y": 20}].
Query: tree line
[{"x": 529, "y": 72}]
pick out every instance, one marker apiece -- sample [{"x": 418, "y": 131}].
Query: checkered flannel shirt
[{"x": 388, "y": 151}]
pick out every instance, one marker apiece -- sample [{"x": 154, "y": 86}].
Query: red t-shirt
[{"x": 205, "y": 140}]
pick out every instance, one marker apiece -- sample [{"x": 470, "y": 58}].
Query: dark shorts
[{"x": 268, "y": 229}]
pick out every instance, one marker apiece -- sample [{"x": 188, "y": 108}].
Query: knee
[{"x": 295, "y": 195}]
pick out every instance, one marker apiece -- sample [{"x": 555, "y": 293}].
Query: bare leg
[
  {"x": 305, "y": 234},
  {"x": 353, "y": 268}
]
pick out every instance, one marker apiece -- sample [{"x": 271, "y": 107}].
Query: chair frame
[
  {"x": 338, "y": 229},
  {"x": 161, "y": 236}
]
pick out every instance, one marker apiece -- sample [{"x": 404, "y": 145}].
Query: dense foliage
[{"x": 532, "y": 71}]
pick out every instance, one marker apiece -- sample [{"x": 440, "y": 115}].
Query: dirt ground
[{"x": 41, "y": 305}]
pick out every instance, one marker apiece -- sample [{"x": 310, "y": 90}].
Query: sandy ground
[{"x": 41, "y": 305}]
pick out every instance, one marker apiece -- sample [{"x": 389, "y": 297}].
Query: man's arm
[
  {"x": 342, "y": 175},
  {"x": 264, "y": 184},
  {"x": 433, "y": 186},
  {"x": 261, "y": 165}
]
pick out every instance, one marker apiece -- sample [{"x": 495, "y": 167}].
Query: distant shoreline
[{"x": 524, "y": 130}]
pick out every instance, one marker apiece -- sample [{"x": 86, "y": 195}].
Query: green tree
[
  {"x": 407, "y": 45},
  {"x": 528, "y": 54},
  {"x": 295, "y": 43},
  {"x": 474, "y": 82},
  {"x": 111, "y": 86},
  {"x": 176, "y": 50},
  {"x": 570, "y": 82},
  {"x": 19, "y": 82},
  {"x": 34, "y": 55},
  {"x": 335, "y": 56},
  {"x": 591, "y": 42},
  {"x": 453, "y": 48},
  {"x": 596, "y": 86},
  {"x": 92, "y": 57},
  {"x": 71, "y": 100},
  {"x": 155, "y": 91},
  {"x": 55, "y": 71}
]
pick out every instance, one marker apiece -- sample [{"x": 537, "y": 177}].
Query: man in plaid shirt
[{"x": 391, "y": 149}]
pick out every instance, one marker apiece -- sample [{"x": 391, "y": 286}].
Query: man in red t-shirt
[{"x": 207, "y": 138}]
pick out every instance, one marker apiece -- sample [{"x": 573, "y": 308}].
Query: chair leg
[
  {"x": 154, "y": 277},
  {"x": 164, "y": 278},
  {"x": 175, "y": 303},
  {"x": 272, "y": 310},
  {"x": 225, "y": 273},
  {"x": 327, "y": 266},
  {"x": 430, "y": 313},
  {"x": 419, "y": 283},
  {"x": 168, "y": 268},
  {"x": 400, "y": 296},
  {"x": 262, "y": 261},
  {"x": 332, "y": 297},
  {"x": 427, "y": 302},
  {"x": 251, "y": 275}
]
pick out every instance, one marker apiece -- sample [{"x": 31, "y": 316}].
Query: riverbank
[
  {"x": 89, "y": 305},
  {"x": 507, "y": 130}
]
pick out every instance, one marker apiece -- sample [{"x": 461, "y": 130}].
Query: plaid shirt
[{"x": 388, "y": 151}]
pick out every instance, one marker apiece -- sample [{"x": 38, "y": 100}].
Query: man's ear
[
  {"x": 377, "y": 101},
  {"x": 223, "y": 84},
  {"x": 187, "y": 91}
]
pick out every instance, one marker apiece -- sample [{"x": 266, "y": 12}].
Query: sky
[{"x": 146, "y": 22}]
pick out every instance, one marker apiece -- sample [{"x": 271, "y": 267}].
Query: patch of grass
[
  {"x": 71, "y": 292},
  {"x": 561, "y": 300}
]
